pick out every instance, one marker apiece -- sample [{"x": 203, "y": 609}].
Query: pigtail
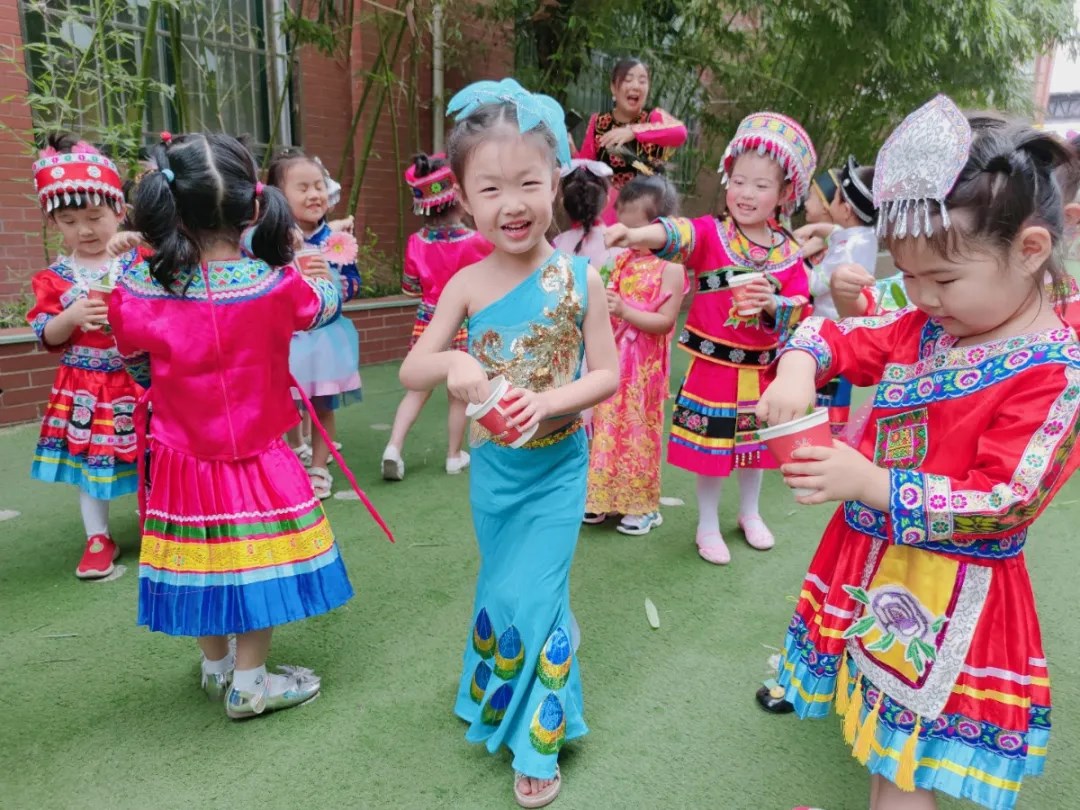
[
  {"x": 584, "y": 197},
  {"x": 157, "y": 218},
  {"x": 272, "y": 238}
]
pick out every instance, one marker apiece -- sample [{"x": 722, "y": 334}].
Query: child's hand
[
  {"x": 847, "y": 283},
  {"x": 786, "y": 399},
  {"x": 466, "y": 379},
  {"x": 805, "y": 233},
  {"x": 88, "y": 314},
  {"x": 317, "y": 267},
  {"x": 838, "y": 473},
  {"x": 528, "y": 408},
  {"x": 615, "y": 303},
  {"x": 812, "y": 247},
  {"x": 617, "y": 235},
  {"x": 760, "y": 294},
  {"x": 342, "y": 225},
  {"x": 123, "y": 242}
]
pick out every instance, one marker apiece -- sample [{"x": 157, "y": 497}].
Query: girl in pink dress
[
  {"x": 630, "y": 139},
  {"x": 768, "y": 166},
  {"x": 584, "y": 191},
  {"x": 433, "y": 255},
  {"x": 234, "y": 541},
  {"x": 644, "y": 297}
]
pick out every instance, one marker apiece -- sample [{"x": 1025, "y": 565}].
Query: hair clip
[
  {"x": 259, "y": 187},
  {"x": 166, "y": 137},
  {"x": 168, "y": 175}
]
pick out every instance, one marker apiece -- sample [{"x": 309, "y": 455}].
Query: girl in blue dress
[{"x": 533, "y": 312}]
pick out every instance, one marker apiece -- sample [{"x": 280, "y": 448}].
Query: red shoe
[{"x": 97, "y": 560}]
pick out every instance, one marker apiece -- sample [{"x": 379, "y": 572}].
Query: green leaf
[
  {"x": 858, "y": 594},
  {"x": 883, "y": 644},
  {"x": 939, "y": 622},
  {"x": 651, "y": 614},
  {"x": 898, "y": 296},
  {"x": 861, "y": 627}
]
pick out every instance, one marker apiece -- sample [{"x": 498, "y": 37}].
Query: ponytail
[
  {"x": 272, "y": 239},
  {"x": 157, "y": 218}
]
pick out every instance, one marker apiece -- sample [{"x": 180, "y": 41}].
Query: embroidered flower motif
[
  {"x": 81, "y": 415},
  {"x": 968, "y": 730},
  {"x": 900, "y": 618},
  {"x": 340, "y": 248},
  {"x": 713, "y": 281},
  {"x": 1010, "y": 741},
  {"x": 708, "y": 347},
  {"x": 737, "y": 355},
  {"x": 910, "y": 496},
  {"x": 894, "y": 393},
  {"x": 764, "y": 359},
  {"x": 684, "y": 336},
  {"x": 938, "y": 502},
  {"x": 123, "y": 424}
]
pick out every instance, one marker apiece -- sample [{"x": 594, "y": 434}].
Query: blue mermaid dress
[{"x": 520, "y": 686}]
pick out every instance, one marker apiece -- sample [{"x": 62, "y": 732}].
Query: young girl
[
  {"x": 432, "y": 256},
  {"x": 531, "y": 312},
  {"x": 325, "y": 361},
  {"x": 87, "y": 434},
  {"x": 851, "y": 240},
  {"x": 584, "y": 192},
  {"x": 917, "y": 615},
  {"x": 234, "y": 541},
  {"x": 644, "y": 296},
  {"x": 768, "y": 165}
]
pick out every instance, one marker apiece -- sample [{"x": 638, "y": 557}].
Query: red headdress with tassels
[{"x": 83, "y": 171}]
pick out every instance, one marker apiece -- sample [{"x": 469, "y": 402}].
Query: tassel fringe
[
  {"x": 851, "y": 717},
  {"x": 905, "y": 770},
  {"x": 868, "y": 732},
  {"x": 843, "y": 684}
]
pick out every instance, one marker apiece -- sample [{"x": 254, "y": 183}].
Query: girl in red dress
[
  {"x": 87, "y": 435},
  {"x": 917, "y": 617}
]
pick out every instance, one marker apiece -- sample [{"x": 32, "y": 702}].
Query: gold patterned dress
[{"x": 520, "y": 685}]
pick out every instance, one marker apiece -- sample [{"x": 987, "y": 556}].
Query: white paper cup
[{"x": 735, "y": 283}]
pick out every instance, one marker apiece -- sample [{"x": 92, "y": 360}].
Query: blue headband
[{"x": 533, "y": 109}]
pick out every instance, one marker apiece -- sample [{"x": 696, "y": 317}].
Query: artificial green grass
[{"x": 96, "y": 712}]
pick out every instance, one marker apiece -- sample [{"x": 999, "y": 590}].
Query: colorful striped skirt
[
  {"x": 235, "y": 546},
  {"x": 936, "y": 665},
  {"x": 715, "y": 428},
  {"x": 424, "y": 314},
  {"x": 88, "y": 433}
]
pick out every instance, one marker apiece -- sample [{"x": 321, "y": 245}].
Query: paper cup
[
  {"x": 811, "y": 430},
  {"x": 737, "y": 284},
  {"x": 491, "y": 413},
  {"x": 304, "y": 257},
  {"x": 100, "y": 292}
]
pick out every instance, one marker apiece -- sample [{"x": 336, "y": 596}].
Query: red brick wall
[
  {"x": 26, "y": 371},
  {"x": 21, "y": 252}
]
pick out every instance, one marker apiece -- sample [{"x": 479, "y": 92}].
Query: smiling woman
[{"x": 630, "y": 139}]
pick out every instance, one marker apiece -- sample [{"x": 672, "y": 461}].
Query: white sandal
[
  {"x": 541, "y": 799},
  {"x": 303, "y": 452},
  {"x": 321, "y": 482}
]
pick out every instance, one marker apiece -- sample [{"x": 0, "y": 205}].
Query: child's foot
[
  {"x": 458, "y": 463},
  {"x": 97, "y": 560},
  {"x": 393, "y": 467},
  {"x": 217, "y": 677},
  {"x": 303, "y": 452},
  {"x": 757, "y": 533},
  {"x": 593, "y": 518},
  {"x": 712, "y": 548},
  {"x": 321, "y": 481},
  {"x": 640, "y": 524},
  {"x": 295, "y": 686},
  {"x": 531, "y": 792}
]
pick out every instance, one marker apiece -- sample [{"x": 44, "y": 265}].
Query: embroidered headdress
[
  {"x": 594, "y": 167},
  {"x": 83, "y": 171},
  {"x": 532, "y": 109},
  {"x": 857, "y": 195},
  {"x": 433, "y": 190},
  {"x": 782, "y": 139},
  {"x": 918, "y": 165}
]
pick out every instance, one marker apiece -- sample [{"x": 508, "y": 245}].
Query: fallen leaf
[
  {"x": 380, "y": 426},
  {"x": 346, "y": 495},
  {"x": 8, "y": 514},
  {"x": 672, "y": 502},
  {"x": 652, "y": 615},
  {"x": 118, "y": 572}
]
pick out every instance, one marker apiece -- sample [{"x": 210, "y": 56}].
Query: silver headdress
[{"x": 919, "y": 164}]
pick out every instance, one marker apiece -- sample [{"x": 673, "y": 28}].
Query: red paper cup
[
  {"x": 811, "y": 430},
  {"x": 304, "y": 257},
  {"x": 737, "y": 284},
  {"x": 100, "y": 292},
  {"x": 491, "y": 413}
]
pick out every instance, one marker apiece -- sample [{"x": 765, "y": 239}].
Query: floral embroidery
[
  {"x": 901, "y": 440},
  {"x": 88, "y": 358},
  {"x": 900, "y": 618},
  {"x": 447, "y": 233},
  {"x": 866, "y": 520},
  {"x": 807, "y": 338}
]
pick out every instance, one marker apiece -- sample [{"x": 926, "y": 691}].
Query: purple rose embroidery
[{"x": 899, "y": 613}]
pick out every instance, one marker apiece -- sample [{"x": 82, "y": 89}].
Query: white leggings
[{"x": 95, "y": 514}]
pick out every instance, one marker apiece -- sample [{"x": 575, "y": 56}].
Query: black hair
[
  {"x": 663, "y": 199},
  {"x": 1068, "y": 175},
  {"x": 283, "y": 160},
  {"x": 624, "y": 66},
  {"x": 63, "y": 143},
  {"x": 425, "y": 164},
  {"x": 1008, "y": 183},
  {"x": 205, "y": 190},
  {"x": 584, "y": 196},
  {"x": 469, "y": 131}
]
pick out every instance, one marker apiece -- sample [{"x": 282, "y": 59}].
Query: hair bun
[{"x": 1000, "y": 164}]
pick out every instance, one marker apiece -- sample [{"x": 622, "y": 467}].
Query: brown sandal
[{"x": 541, "y": 799}]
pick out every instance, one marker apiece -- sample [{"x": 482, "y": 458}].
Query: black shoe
[{"x": 772, "y": 704}]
